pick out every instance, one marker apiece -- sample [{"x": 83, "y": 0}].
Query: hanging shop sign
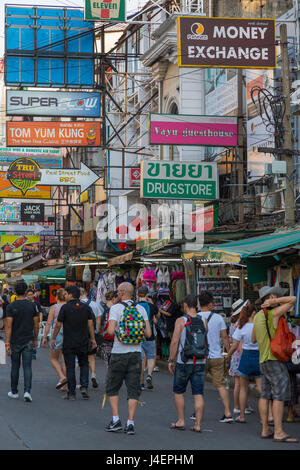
[
  {"x": 134, "y": 177},
  {"x": 226, "y": 42},
  {"x": 204, "y": 219},
  {"x": 44, "y": 157},
  {"x": 179, "y": 129},
  {"x": 111, "y": 10},
  {"x": 9, "y": 212},
  {"x": 18, "y": 184},
  {"x": 55, "y": 134},
  {"x": 25, "y": 176},
  {"x": 174, "y": 180},
  {"x": 52, "y": 103},
  {"x": 44, "y": 229},
  {"x": 32, "y": 212},
  {"x": 17, "y": 244}
]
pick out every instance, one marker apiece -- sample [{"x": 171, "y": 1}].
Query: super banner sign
[{"x": 226, "y": 42}]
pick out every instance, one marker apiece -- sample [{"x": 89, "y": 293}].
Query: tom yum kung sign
[
  {"x": 226, "y": 42},
  {"x": 170, "y": 180},
  {"x": 179, "y": 129}
]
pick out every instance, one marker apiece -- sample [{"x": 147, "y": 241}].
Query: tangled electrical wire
[{"x": 272, "y": 110}]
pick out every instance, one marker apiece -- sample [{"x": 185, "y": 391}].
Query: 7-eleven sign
[
  {"x": 134, "y": 177},
  {"x": 112, "y": 10}
]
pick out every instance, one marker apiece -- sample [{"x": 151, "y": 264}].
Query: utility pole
[
  {"x": 287, "y": 144},
  {"x": 239, "y": 157}
]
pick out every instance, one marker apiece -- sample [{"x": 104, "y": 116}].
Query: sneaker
[
  {"x": 13, "y": 395},
  {"x": 226, "y": 420},
  {"x": 237, "y": 411},
  {"x": 156, "y": 369},
  {"x": 142, "y": 387},
  {"x": 249, "y": 410},
  {"x": 114, "y": 427},
  {"x": 27, "y": 397},
  {"x": 84, "y": 393},
  {"x": 193, "y": 416},
  {"x": 149, "y": 382},
  {"x": 129, "y": 429},
  {"x": 94, "y": 382},
  {"x": 69, "y": 397}
]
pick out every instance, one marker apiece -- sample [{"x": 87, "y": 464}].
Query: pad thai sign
[
  {"x": 170, "y": 180},
  {"x": 178, "y": 129},
  {"x": 226, "y": 42}
]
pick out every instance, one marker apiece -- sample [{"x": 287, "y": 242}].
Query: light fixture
[
  {"x": 104, "y": 263},
  {"x": 161, "y": 260}
]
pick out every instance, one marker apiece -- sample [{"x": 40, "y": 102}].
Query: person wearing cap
[
  {"x": 236, "y": 356},
  {"x": 148, "y": 347},
  {"x": 275, "y": 376}
]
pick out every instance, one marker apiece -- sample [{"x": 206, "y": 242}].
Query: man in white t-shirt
[
  {"x": 215, "y": 363},
  {"x": 125, "y": 362}
]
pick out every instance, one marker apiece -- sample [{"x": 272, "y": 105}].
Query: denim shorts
[
  {"x": 185, "y": 373},
  {"x": 249, "y": 364},
  {"x": 148, "y": 349}
]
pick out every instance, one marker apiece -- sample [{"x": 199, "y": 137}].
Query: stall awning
[{"x": 234, "y": 252}]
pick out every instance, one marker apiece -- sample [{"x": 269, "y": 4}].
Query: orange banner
[
  {"x": 7, "y": 190},
  {"x": 53, "y": 134}
]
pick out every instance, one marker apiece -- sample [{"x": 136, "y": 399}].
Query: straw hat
[{"x": 237, "y": 306}]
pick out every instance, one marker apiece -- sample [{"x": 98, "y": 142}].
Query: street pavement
[{"x": 50, "y": 423}]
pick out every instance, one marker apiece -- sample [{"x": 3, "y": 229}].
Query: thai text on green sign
[{"x": 179, "y": 180}]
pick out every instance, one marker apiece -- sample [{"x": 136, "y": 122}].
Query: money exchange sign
[
  {"x": 171, "y": 180},
  {"x": 226, "y": 42}
]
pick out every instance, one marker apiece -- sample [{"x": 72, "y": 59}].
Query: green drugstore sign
[
  {"x": 174, "y": 180},
  {"x": 111, "y": 10}
]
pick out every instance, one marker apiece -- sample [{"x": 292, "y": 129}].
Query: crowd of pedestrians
[{"x": 126, "y": 333}]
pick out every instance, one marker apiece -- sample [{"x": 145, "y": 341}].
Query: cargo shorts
[
  {"x": 275, "y": 381},
  {"x": 124, "y": 367}
]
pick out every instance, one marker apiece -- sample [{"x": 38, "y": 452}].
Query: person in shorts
[
  {"x": 215, "y": 364},
  {"x": 275, "y": 376},
  {"x": 125, "y": 362},
  {"x": 188, "y": 371},
  {"x": 148, "y": 347}
]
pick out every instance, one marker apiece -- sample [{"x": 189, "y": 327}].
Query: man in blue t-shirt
[{"x": 148, "y": 347}]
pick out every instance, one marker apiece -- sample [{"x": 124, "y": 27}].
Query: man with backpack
[
  {"x": 189, "y": 348},
  {"x": 130, "y": 325},
  {"x": 148, "y": 347},
  {"x": 215, "y": 366},
  {"x": 275, "y": 376}
]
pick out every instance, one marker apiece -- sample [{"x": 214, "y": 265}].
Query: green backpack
[{"x": 131, "y": 326}]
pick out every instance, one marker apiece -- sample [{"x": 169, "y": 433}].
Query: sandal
[
  {"x": 288, "y": 439},
  {"x": 239, "y": 420},
  {"x": 194, "y": 429},
  {"x": 61, "y": 384},
  {"x": 179, "y": 428}
]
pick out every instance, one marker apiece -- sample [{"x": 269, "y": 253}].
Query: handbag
[{"x": 282, "y": 343}]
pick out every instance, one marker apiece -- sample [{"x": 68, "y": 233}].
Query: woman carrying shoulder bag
[
  {"x": 249, "y": 363},
  {"x": 55, "y": 354},
  {"x": 111, "y": 298}
]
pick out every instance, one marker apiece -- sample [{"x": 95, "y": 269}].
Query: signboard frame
[
  {"x": 186, "y": 122},
  {"x": 53, "y": 125},
  {"x": 188, "y": 184},
  {"x": 180, "y": 53},
  {"x": 35, "y": 110},
  {"x": 120, "y": 19},
  {"x": 33, "y": 217}
]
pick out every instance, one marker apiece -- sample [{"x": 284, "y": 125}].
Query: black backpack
[{"x": 196, "y": 344}]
